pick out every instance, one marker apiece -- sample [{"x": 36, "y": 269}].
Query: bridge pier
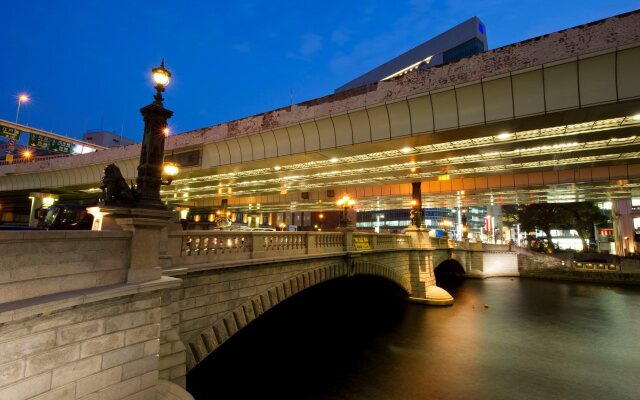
[{"x": 423, "y": 280}]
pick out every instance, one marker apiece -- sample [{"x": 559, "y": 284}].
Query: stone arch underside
[
  {"x": 449, "y": 271},
  {"x": 450, "y": 262},
  {"x": 200, "y": 346},
  {"x": 392, "y": 274}
]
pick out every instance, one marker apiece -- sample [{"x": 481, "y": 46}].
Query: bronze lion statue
[{"x": 115, "y": 191}]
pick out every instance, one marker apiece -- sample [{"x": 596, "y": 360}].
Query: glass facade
[
  {"x": 466, "y": 49},
  {"x": 395, "y": 221}
]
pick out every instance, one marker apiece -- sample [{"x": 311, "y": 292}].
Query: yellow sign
[
  {"x": 9, "y": 158},
  {"x": 361, "y": 243}
]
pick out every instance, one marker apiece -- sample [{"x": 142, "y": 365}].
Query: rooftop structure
[
  {"x": 463, "y": 40},
  {"x": 105, "y": 138}
]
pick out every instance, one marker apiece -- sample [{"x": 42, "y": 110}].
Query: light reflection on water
[{"x": 357, "y": 339}]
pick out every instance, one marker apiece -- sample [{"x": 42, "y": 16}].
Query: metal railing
[{"x": 34, "y": 159}]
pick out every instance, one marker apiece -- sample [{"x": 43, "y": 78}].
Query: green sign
[
  {"x": 50, "y": 144},
  {"x": 8, "y": 132}
]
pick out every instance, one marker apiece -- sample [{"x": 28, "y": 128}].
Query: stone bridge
[
  {"x": 76, "y": 323},
  {"x": 217, "y": 298}
]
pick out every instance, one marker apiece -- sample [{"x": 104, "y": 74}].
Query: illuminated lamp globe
[
  {"x": 161, "y": 75},
  {"x": 169, "y": 171},
  {"x": 346, "y": 202}
]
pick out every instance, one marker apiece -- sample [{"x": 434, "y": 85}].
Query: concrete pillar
[
  {"x": 623, "y": 231},
  {"x": 495, "y": 211},
  {"x": 147, "y": 227},
  {"x": 348, "y": 237},
  {"x": 416, "y": 216}
]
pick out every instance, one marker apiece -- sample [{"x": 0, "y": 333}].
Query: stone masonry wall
[
  {"x": 539, "y": 265},
  {"x": 104, "y": 350},
  {"x": 532, "y": 261},
  {"x": 45, "y": 262}
]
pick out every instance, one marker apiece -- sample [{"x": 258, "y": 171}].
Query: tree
[
  {"x": 543, "y": 216},
  {"x": 510, "y": 215},
  {"x": 583, "y": 217}
]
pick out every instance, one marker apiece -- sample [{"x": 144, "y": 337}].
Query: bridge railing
[
  {"x": 376, "y": 241},
  {"x": 34, "y": 159},
  {"x": 196, "y": 247},
  {"x": 205, "y": 247}
]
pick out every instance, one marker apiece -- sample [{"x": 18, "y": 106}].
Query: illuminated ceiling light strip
[
  {"x": 598, "y": 125},
  {"x": 540, "y": 150},
  {"x": 408, "y": 69}
]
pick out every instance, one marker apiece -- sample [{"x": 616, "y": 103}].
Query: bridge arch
[
  {"x": 449, "y": 270},
  {"x": 199, "y": 346},
  {"x": 376, "y": 269}
]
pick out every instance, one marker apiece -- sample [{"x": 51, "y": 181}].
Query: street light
[
  {"x": 27, "y": 154},
  {"x": 151, "y": 168},
  {"x": 346, "y": 203},
  {"x": 23, "y": 98},
  {"x": 169, "y": 171},
  {"x": 465, "y": 228}
]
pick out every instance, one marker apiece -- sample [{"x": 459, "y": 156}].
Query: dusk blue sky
[{"x": 86, "y": 64}]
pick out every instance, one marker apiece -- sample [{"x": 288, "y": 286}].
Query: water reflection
[{"x": 358, "y": 339}]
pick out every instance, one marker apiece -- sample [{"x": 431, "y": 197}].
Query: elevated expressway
[{"x": 554, "y": 118}]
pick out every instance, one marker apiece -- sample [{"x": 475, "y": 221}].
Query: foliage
[
  {"x": 542, "y": 216},
  {"x": 583, "y": 217},
  {"x": 547, "y": 216},
  {"x": 510, "y": 215}
]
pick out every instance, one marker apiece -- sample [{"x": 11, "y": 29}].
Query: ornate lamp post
[
  {"x": 465, "y": 227},
  {"x": 416, "y": 214},
  {"x": 346, "y": 203},
  {"x": 150, "y": 169}
]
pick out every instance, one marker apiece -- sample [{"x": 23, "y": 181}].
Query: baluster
[{"x": 187, "y": 245}]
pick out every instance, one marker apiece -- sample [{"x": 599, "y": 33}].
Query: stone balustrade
[{"x": 208, "y": 248}]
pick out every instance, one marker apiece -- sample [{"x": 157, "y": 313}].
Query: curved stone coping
[
  {"x": 187, "y": 268},
  {"x": 18, "y": 310}
]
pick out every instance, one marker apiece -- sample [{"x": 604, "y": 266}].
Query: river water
[{"x": 358, "y": 338}]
